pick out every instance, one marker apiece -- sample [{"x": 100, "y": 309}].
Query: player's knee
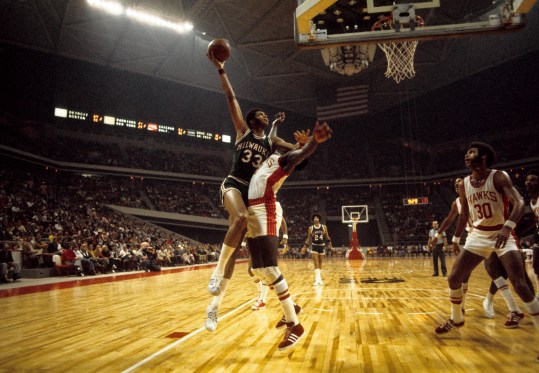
[
  {"x": 455, "y": 280},
  {"x": 239, "y": 219},
  {"x": 259, "y": 274},
  {"x": 271, "y": 274}
]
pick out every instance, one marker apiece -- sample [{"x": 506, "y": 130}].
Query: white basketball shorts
[{"x": 264, "y": 219}]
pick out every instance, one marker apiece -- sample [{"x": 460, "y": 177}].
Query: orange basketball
[{"x": 220, "y": 49}]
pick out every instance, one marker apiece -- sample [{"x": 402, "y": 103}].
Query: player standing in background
[
  {"x": 437, "y": 242},
  {"x": 485, "y": 196},
  {"x": 317, "y": 235},
  {"x": 493, "y": 267},
  {"x": 532, "y": 188}
]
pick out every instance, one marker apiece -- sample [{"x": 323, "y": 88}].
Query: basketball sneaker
[
  {"x": 488, "y": 307},
  {"x": 214, "y": 287},
  {"x": 513, "y": 319},
  {"x": 211, "y": 322},
  {"x": 259, "y": 305},
  {"x": 320, "y": 282},
  {"x": 282, "y": 322},
  {"x": 291, "y": 337},
  {"x": 448, "y": 326}
]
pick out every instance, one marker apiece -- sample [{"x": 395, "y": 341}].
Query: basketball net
[{"x": 400, "y": 55}]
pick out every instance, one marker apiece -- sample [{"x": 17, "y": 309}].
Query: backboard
[
  {"x": 328, "y": 23},
  {"x": 360, "y": 212}
]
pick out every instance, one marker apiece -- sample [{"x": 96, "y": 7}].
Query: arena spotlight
[
  {"x": 140, "y": 15},
  {"x": 111, "y": 7}
]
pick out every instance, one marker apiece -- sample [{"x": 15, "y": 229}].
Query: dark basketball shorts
[
  {"x": 320, "y": 249},
  {"x": 232, "y": 183}
]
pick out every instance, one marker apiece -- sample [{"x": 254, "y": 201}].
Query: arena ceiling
[{"x": 266, "y": 66}]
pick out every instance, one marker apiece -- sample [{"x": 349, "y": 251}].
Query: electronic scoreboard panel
[
  {"x": 139, "y": 125},
  {"x": 413, "y": 201}
]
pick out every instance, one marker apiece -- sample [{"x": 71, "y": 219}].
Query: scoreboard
[
  {"x": 413, "y": 201},
  {"x": 100, "y": 119}
]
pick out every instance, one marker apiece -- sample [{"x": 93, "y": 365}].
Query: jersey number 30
[{"x": 484, "y": 211}]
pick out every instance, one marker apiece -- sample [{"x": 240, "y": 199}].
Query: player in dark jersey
[
  {"x": 317, "y": 235},
  {"x": 252, "y": 147}
]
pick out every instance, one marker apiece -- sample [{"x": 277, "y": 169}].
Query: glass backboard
[{"x": 323, "y": 23}]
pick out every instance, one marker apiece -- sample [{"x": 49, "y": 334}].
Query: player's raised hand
[
  {"x": 279, "y": 118},
  {"x": 215, "y": 61},
  {"x": 302, "y": 137},
  {"x": 321, "y": 132}
]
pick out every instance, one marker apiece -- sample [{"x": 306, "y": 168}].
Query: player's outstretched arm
[
  {"x": 276, "y": 141},
  {"x": 321, "y": 133},
  {"x": 233, "y": 106}
]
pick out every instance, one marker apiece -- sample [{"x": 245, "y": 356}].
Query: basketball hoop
[{"x": 400, "y": 55}]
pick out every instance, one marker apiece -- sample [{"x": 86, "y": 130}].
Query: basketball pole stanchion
[{"x": 355, "y": 251}]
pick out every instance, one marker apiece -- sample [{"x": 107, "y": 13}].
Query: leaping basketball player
[
  {"x": 317, "y": 236},
  {"x": 485, "y": 197},
  {"x": 252, "y": 147}
]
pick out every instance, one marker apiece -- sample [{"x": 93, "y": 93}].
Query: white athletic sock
[
  {"x": 533, "y": 309},
  {"x": 507, "y": 295},
  {"x": 317, "y": 274},
  {"x": 464, "y": 292},
  {"x": 264, "y": 288},
  {"x": 281, "y": 289},
  {"x": 259, "y": 288},
  {"x": 490, "y": 297},
  {"x": 226, "y": 253},
  {"x": 218, "y": 299},
  {"x": 455, "y": 296}
]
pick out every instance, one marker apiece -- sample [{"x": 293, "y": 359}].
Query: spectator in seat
[
  {"x": 86, "y": 261},
  {"x": 7, "y": 262}
]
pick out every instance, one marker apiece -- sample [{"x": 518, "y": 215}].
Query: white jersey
[
  {"x": 469, "y": 226},
  {"x": 265, "y": 213},
  {"x": 535, "y": 209},
  {"x": 489, "y": 208},
  {"x": 266, "y": 181}
]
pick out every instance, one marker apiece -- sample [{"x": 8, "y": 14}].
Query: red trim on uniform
[
  {"x": 282, "y": 292},
  {"x": 271, "y": 206},
  {"x": 489, "y": 229},
  {"x": 261, "y": 200},
  {"x": 285, "y": 297}
]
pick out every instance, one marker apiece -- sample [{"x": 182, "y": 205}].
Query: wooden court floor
[{"x": 155, "y": 323}]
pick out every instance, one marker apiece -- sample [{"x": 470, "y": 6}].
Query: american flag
[{"x": 345, "y": 102}]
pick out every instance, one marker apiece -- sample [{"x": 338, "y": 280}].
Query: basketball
[{"x": 220, "y": 49}]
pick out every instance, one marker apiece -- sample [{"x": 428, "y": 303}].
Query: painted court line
[{"x": 181, "y": 340}]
